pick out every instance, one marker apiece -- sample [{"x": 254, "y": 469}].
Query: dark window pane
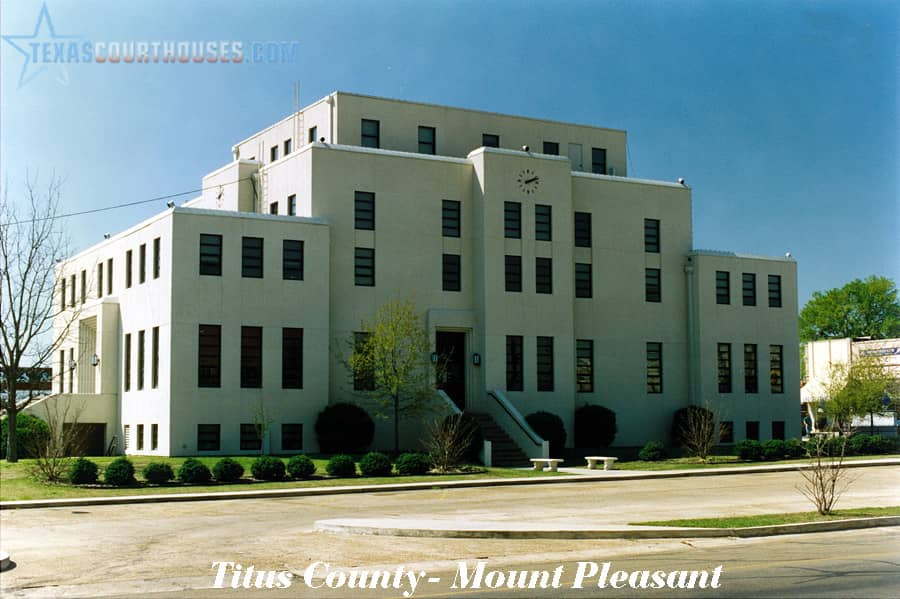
[
  {"x": 551, "y": 147},
  {"x": 543, "y": 275},
  {"x": 364, "y": 267},
  {"x": 209, "y": 363},
  {"x": 514, "y": 367},
  {"x": 512, "y": 220},
  {"x": 584, "y": 365},
  {"x": 154, "y": 358},
  {"x": 273, "y": 153},
  {"x": 313, "y": 134},
  {"x": 208, "y": 437},
  {"x": 287, "y": 147},
  {"x": 127, "y": 365},
  {"x": 723, "y": 287},
  {"x": 156, "y": 257},
  {"x": 426, "y": 140},
  {"x": 291, "y": 358},
  {"x": 489, "y": 140},
  {"x": 250, "y": 440},
  {"x": 364, "y": 206},
  {"x": 651, "y": 235},
  {"x": 210, "y": 257},
  {"x": 251, "y": 357},
  {"x": 776, "y": 368},
  {"x": 724, "y": 367},
  {"x": 545, "y": 363},
  {"x": 128, "y": 265},
  {"x": 451, "y": 272},
  {"x": 292, "y": 205},
  {"x": 450, "y": 218},
  {"x": 752, "y": 429},
  {"x": 749, "y": 287},
  {"x": 291, "y": 437},
  {"x": 142, "y": 263},
  {"x": 140, "y": 359},
  {"x": 751, "y": 370},
  {"x": 543, "y": 222},
  {"x": 292, "y": 260},
  {"x": 583, "y": 280},
  {"x": 583, "y": 229},
  {"x": 652, "y": 285},
  {"x": 252, "y": 257},
  {"x": 371, "y": 134},
  {"x": 778, "y": 429},
  {"x": 726, "y": 431},
  {"x": 774, "y": 291},
  {"x": 654, "y": 367},
  {"x": 513, "y": 273},
  {"x": 598, "y": 160}
]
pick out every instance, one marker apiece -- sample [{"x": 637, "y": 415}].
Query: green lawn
[
  {"x": 774, "y": 519},
  {"x": 721, "y": 461}
]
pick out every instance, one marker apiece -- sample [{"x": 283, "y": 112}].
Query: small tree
[
  {"x": 53, "y": 453},
  {"x": 261, "y": 423},
  {"x": 868, "y": 382},
  {"x": 448, "y": 441},
  {"x": 825, "y": 479},
  {"x": 694, "y": 428}
]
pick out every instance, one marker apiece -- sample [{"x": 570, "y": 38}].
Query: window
[
  {"x": 652, "y": 286},
  {"x": 154, "y": 358},
  {"x": 142, "y": 263},
  {"x": 752, "y": 430},
  {"x": 583, "y": 280},
  {"x": 140, "y": 360},
  {"x": 545, "y": 363},
  {"x": 543, "y": 275},
  {"x": 156, "y": 258},
  {"x": 72, "y": 368},
  {"x": 250, "y": 440},
  {"x": 126, "y": 437},
  {"x": 154, "y": 437},
  {"x": 778, "y": 429},
  {"x": 72, "y": 291},
  {"x": 127, "y": 368},
  {"x": 776, "y": 366},
  {"x": 363, "y": 379},
  {"x": 371, "y": 136},
  {"x": 291, "y": 437},
  {"x": 514, "y": 369},
  {"x": 364, "y": 267},
  {"x": 273, "y": 208},
  {"x": 128, "y": 269},
  {"x": 100, "y": 280},
  {"x": 774, "y": 291},
  {"x": 726, "y": 431},
  {"x": 513, "y": 273},
  {"x": 582, "y": 229},
  {"x": 140, "y": 437},
  {"x": 287, "y": 147},
  {"x": 364, "y": 207},
  {"x": 83, "y": 286},
  {"x": 313, "y": 134},
  {"x": 451, "y": 272},
  {"x": 751, "y": 377},
  {"x": 251, "y": 357},
  {"x": 273, "y": 154},
  {"x": 749, "y": 287},
  {"x": 209, "y": 362},
  {"x": 208, "y": 437},
  {"x": 292, "y": 205},
  {"x": 210, "y": 255},
  {"x": 62, "y": 294},
  {"x": 490, "y": 140},
  {"x": 723, "y": 352},
  {"x": 292, "y": 260},
  {"x": 584, "y": 366},
  {"x": 651, "y": 235},
  {"x": 291, "y": 358},
  {"x": 551, "y": 147},
  {"x": 62, "y": 370},
  {"x": 426, "y": 140},
  {"x": 598, "y": 160},
  {"x": 450, "y": 218},
  {"x": 109, "y": 276},
  {"x": 654, "y": 367},
  {"x": 723, "y": 287},
  {"x": 512, "y": 220},
  {"x": 252, "y": 257},
  {"x": 543, "y": 222}
]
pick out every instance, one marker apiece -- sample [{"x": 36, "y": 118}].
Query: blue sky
[{"x": 782, "y": 116}]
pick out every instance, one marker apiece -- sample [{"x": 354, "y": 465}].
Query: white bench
[
  {"x": 551, "y": 463},
  {"x": 592, "y": 460}
]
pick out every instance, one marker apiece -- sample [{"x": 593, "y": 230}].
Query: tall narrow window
[
  {"x": 778, "y": 429},
  {"x": 210, "y": 255},
  {"x": 652, "y": 285},
  {"x": 551, "y": 147},
  {"x": 364, "y": 267},
  {"x": 209, "y": 363},
  {"x": 313, "y": 134},
  {"x": 726, "y": 431},
  {"x": 583, "y": 280},
  {"x": 127, "y": 365},
  {"x": 426, "y": 140},
  {"x": 598, "y": 161},
  {"x": 72, "y": 291},
  {"x": 654, "y": 367},
  {"x": 109, "y": 276},
  {"x": 513, "y": 266},
  {"x": 651, "y": 235},
  {"x": 545, "y": 363},
  {"x": 363, "y": 378},
  {"x": 776, "y": 368},
  {"x": 450, "y": 218},
  {"x": 100, "y": 280},
  {"x": 292, "y": 260},
  {"x": 582, "y": 229},
  {"x": 371, "y": 134},
  {"x": 252, "y": 257},
  {"x": 273, "y": 153},
  {"x": 749, "y": 288},
  {"x": 723, "y": 287},
  {"x": 292, "y": 205},
  {"x": 287, "y": 146},
  {"x": 142, "y": 263},
  {"x": 364, "y": 210},
  {"x": 140, "y": 437},
  {"x": 751, "y": 370},
  {"x": 512, "y": 220},
  {"x": 751, "y": 428},
  {"x": 126, "y": 437},
  {"x": 154, "y": 437},
  {"x": 584, "y": 365},
  {"x": 291, "y": 358},
  {"x": 62, "y": 370},
  {"x": 250, "y": 440},
  {"x": 774, "y": 291},
  {"x": 543, "y": 275},
  {"x": 154, "y": 358},
  {"x": 723, "y": 352},
  {"x": 62, "y": 293},
  {"x": 543, "y": 222},
  {"x": 72, "y": 367},
  {"x": 273, "y": 208},
  {"x": 251, "y": 357},
  {"x": 156, "y": 257},
  {"x": 514, "y": 368},
  {"x": 140, "y": 360},
  {"x": 208, "y": 437},
  {"x": 451, "y": 275},
  {"x": 83, "y": 286},
  {"x": 291, "y": 436},
  {"x": 490, "y": 140}
]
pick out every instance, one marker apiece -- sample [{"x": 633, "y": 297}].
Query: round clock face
[{"x": 528, "y": 181}]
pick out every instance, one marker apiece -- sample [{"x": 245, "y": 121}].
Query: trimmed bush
[
  {"x": 471, "y": 429},
  {"x": 341, "y": 465},
  {"x": 300, "y": 466},
  {"x": 157, "y": 473},
  {"x": 413, "y": 464},
  {"x": 31, "y": 431},
  {"x": 653, "y": 451},
  {"x": 549, "y": 427},
  {"x": 774, "y": 449},
  {"x": 119, "y": 473},
  {"x": 749, "y": 450},
  {"x": 595, "y": 426},
  {"x": 227, "y": 470},
  {"x": 194, "y": 471},
  {"x": 344, "y": 428},
  {"x": 795, "y": 448},
  {"x": 266, "y": 467},
  {"x": 830, "y": 446},
  {"x": 375, "y": 464},
  {"x": 83, "y": 472},
  {"x": 863, "y": 444}
]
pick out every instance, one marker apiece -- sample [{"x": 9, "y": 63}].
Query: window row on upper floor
[
  {"x": 252, "y": 257},
  {"x": 103, "y": 275},
  {"x": 748, "y": 289}
]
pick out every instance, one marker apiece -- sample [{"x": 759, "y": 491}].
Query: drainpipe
[{"x": 692, "y": 358}]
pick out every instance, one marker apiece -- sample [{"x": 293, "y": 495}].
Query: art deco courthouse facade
[{"x": 570, "y": 281}]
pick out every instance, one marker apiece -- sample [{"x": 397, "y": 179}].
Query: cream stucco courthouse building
[{"x": 550, "y": 278}]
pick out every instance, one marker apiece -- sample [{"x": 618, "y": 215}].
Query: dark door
[
  {"x": 452, "y": 349},
  {"x": 88, "y": 438}
]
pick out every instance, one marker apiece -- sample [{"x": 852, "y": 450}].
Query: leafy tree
[
  {"x": 861, "y": 308},
  {"x": 868, "y": 381}
]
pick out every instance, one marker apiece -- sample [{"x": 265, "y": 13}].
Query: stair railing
[{"x": 511, "y": 420}]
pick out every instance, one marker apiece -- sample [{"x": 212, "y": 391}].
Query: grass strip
[{"x": 774, "y": 519}]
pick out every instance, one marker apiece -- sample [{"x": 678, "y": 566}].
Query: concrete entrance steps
[{"x": 505, "y": 452}]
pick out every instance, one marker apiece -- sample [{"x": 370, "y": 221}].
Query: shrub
[
  {"x": 341, "y": 465},
  {"x": 653, "y": 451},
  {"x": 119, "y": 473},
  {"x": 227, "y": 470},
  {"x": 300, "y": 466},
  {"x": 694, "y": 428},
  {"x": 375, "y": 464},
  {"x": 83, "y": 472},
  {"x": 266, "y": 467},
  {"x": 774, "y": 449},
  {"x": 470, "y": 431},
  {"x": 749, "y": 450},
  {"x": 595, "y": 426},
  {"x": 344, "y": 428},
  {"x": 795, "y": 448},
  {"x": 31, "y": 432},
  {"x": 549, "y": 427},
  {"x": 157, "y": 473},
  {"x": 413, "y": 464},
  {"x": 829, "y": 446},
  {"x": 194, "y": 471},
  {"x": 862, "y": 444}
]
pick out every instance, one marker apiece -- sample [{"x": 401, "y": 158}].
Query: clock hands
[{"x": 532, "y": 180}]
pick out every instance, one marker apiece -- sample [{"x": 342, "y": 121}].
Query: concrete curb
[
  {"x": 493, "y": 530},
  {"x": 587, "y": 476}
]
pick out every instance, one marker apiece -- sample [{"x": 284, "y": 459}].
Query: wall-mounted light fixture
[
  {"x": 434, "y": 357},
  {"x": 72, "y": 364},
  {"x": 476, "y": 359},
  {"x": 95, "y": 360}
]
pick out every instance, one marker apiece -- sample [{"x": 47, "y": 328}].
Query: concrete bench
[
  {"x": 551, "y": 463},
  {"x": 592, "y": 460}
]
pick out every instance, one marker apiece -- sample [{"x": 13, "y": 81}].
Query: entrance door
[
  {"x": 575, "y": 157},
  {"x": 451, "y": 346}
]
